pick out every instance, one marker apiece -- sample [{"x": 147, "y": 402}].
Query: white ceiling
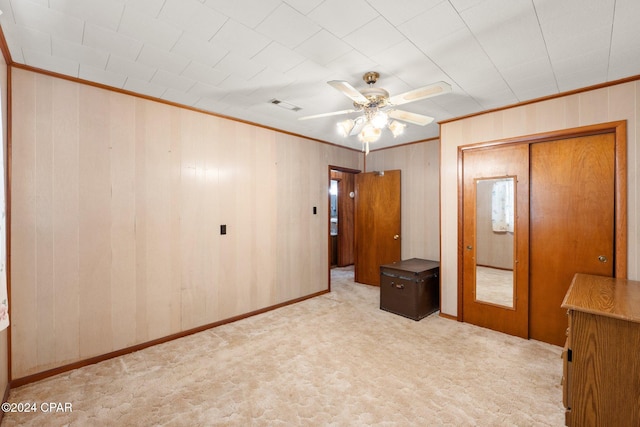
[{"x": 232, "y": 57}]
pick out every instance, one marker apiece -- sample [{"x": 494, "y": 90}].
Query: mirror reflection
[
  {"x": 495, "y": 232},
  {"x": 333, "y": 197}
]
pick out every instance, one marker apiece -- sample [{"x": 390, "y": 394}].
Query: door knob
[
  {"x": 396, "y": 237},
  {"x": 602, "y": 258},
  {"x": 469, "y": 247}
]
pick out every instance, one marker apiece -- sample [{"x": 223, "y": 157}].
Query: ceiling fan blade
[
  {"x": 333, "y": 113},
  {"x": 349, "y": 91},
  {"x": 406, "y": 116},
  {"x": 434, "y": 89}
]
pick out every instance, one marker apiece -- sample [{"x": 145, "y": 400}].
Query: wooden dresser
[{"x": 601, "y": 384}]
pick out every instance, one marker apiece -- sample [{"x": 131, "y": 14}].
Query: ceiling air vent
[{"x": 285, "y": 105}]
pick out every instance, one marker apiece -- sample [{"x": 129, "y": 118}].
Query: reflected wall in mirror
[{"x": 495, "y": 234}]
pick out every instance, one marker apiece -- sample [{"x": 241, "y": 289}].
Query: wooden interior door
[
  {"x": 346, "y": 214},
  {"x": 572, "y": 224},
  {"x": 377, "y": 223},
  {"x": 488, "y": 163}
]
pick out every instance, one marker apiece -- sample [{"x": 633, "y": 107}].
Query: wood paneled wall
[
  {"x": 117, "y": 203},
  {"x": 612, "y": 103},
  {"x": 419, "y": 183}
]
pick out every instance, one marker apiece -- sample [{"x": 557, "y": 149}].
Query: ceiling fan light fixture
[
  {"x": 379, "y": 119},
  {"x": 396, "y": 128},
  {"x": 369, "y": 133},
  {"x": 345, "y": 127}
]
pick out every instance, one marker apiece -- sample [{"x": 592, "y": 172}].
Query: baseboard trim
[
  {"x": 448, "y": 316},
  {"x": 92, "y": 360}
]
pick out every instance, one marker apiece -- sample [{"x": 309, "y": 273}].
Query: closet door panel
[
  {"x": 487, "y": 164},
  {"x": 572, "y": 224}
]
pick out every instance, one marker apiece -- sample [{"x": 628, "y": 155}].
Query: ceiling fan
[{"x": 379, "y": 109}]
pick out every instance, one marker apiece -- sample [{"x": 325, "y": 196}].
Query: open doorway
[{"x": 341, "y": 222}]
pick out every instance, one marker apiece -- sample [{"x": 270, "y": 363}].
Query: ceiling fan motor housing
[{"x": 376, "y": 96}]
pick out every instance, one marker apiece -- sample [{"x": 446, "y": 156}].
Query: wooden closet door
[
  {"x": 572, "y": 224},
  {"x": 492, "y": 162}
]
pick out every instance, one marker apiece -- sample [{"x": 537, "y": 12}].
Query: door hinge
[{"x": 569, "y": 355}]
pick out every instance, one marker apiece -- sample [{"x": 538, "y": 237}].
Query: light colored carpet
[{"x": 336, "y": 360}]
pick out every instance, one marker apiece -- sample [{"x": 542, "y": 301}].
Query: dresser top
[{"x": 606, "y": 296}]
